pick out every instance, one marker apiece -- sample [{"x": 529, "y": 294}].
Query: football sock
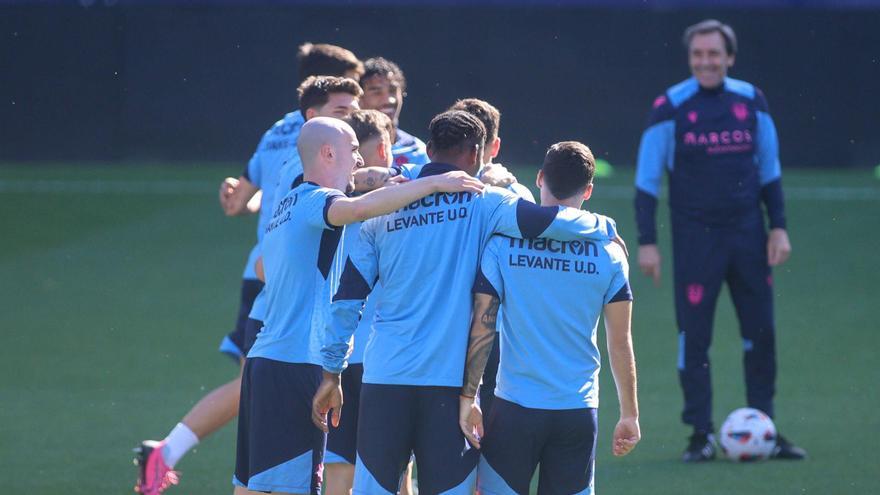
[{"x": 178, "y": 443}]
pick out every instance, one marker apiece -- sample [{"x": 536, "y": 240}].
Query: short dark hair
[
  {"x": 711, "y": 26},
  {"x": 315, "y": 90},
  {"x": 326, "y": 60},
  {"x": 456, "y": 130},
  {"x": 378, "y": 66},
  {"x": 483, "y": 110},
  {"x": 568, "y": 168},
  {"x": 369, "y": 123}
]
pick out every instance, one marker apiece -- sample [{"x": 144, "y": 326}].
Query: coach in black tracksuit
[{"x": 715, "y": 139}]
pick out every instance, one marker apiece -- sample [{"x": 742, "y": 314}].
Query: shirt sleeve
[
  {"x": 358, "y": 278},
  {"x": 318, "y": 208},
  {"x": 619, "y": 288},
  {"x": 769, "y": 167},
  {"x": 656, "y": 150},
  {"x": 488, "y": 280}
]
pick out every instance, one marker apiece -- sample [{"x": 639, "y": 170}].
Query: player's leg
[
  {"x": 699, "y": 264},
  {"x": 442, "y": 463},
  {"x": 341, "y": 453},
  {"x": 279, "y": 450},
  {"x": 751, "y": 289},
  {"x": 487, "y": 388},
  {"x": 511, "y": 448},
  {"x": 386, "y": 422},
  {"x": 210, "y": 413},
  {"x": 568, "y": 458}
]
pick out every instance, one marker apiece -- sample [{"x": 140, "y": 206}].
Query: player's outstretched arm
[
  {"x": 483, "y": 322},
  {"x": 386, "y": 200},
  {"x": 235, "y": 196},
  {"x": 627, "y": 434}
]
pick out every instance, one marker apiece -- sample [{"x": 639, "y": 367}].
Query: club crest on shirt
[
  {"x": 695, "y": 294},
  {"x": 692, "y": 116},
  {"x": 740, "y": 111}
]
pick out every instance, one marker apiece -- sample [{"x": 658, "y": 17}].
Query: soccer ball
[{"x": 747, "y": 435}]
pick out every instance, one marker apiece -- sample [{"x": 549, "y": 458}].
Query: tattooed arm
[
  {"x": 482, "y": 337},
  {"x": 370, "y": 178}
]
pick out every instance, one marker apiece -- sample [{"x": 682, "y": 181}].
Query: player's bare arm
[
  {"x": 236, "y": 194},
  {"x": 482, "y": 336},
  {"x": 618, "y": 317},
  {"x": 386, "y": 200},
  {"x": 496, "y": 174}
]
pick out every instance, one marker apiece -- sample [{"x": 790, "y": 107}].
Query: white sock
[{"x": 178, "y": 443}]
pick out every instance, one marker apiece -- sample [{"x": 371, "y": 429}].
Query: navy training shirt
[{"x": 720, "y": 151}]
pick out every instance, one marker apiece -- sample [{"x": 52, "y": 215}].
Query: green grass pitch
[{"x": 119, "y": 282}]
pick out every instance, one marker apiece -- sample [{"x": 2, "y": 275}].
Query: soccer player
[
  {"x": 551, "y": 294},
  {"x": 491, "y": 119},
  {"x": 325, "y": 95},
  {"x": 425, "y": 255},
  {"x": 384, "y": 89},
  {"x": 279, "y": 450},
  {"x": 714, "y": 138},
  {"x": 373, "y": 130}
]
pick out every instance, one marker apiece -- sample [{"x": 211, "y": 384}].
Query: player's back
[
  {"x": 552, "y": 295},
  {"x": 299, "y": 262}
]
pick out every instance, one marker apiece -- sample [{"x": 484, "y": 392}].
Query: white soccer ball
[{"x": 747, "y": 435}]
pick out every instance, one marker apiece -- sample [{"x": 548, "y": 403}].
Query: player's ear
[
  {"x": 588, "y": 191},
  {"x": 429, "y": 149},
  {"x": 382, "y": 151},
  {"x": 730, "y": 60},
  {"x": 495, "y": 147},
  {"x": 311, "y": 113},
  {"x": 539, "y": 179},
  {"x": 327, "y": 152}
]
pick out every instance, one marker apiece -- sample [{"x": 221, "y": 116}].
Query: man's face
[
  {"x": 381, "y": 94},
  {"x": 348, "y": 157},
  {"x": 709, "y": 60},
  {"x": 339, "y": 105}
]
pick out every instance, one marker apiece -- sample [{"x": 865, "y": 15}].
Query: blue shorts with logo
[
  {"x": 517, "y": 439},
  {"x": 342, "y": 440},
  {"x": 233, "y": 344},
  {"x": 279, "y": 448},
  {"x": 398, "y": 420}
]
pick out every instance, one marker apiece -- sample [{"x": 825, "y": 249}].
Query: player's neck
[
  {"x": 323, "y": 179},
  {"x": 548, "y": 199}
]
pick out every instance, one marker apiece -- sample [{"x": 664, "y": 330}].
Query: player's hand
[
  {"x": 470, "y": 419},
  {"x": 626, "y": 435},
  {"x": 328, "y": 396},
  {"x": 778, "y": 247},
  {"x": 496, "y": 174},
  {"x": 456, "y": 181},
  {"x": 227, "y": 188},
  {"x": 649, "y": 262}
]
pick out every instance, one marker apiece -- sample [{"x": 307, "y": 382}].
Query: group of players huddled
[{"x": 384, "y": 271}]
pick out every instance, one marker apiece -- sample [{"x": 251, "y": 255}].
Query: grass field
[{"x": 118, "y": 283}]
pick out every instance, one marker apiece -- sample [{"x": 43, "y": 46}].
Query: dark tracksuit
[{"x": 720, "y": 151}]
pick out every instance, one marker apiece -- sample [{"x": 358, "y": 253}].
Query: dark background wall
[{"x": 202, "y": 82}]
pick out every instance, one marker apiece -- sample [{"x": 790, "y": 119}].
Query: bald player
[{"x": 279, "y": 450}]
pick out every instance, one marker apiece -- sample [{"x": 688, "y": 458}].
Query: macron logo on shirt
[
  {"x": 548, "y": 262},
  {"x": 451, "y": 205}
]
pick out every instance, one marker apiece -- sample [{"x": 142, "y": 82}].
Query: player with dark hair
[
  {"x": 384, "y": 89},
  {"x": 322, "y": 59},
  {"x": 427, "y": 251},
  {"x": 279, "y": 450},
  {"x": 325, "y": 96},
  {"x": 714, "y": 138},
  {"x": 551, "y": 295}
]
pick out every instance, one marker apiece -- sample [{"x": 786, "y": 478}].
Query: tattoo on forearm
[{"x": 480, "y": 345}]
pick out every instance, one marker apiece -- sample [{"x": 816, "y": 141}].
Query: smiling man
[{"x": 714, "y": 138}]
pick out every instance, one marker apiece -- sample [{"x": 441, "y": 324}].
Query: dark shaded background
[{"x": 202, "y": 81}]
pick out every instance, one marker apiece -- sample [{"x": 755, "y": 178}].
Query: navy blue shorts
[
  {"x": 397, "y": 420},
  {"x": 517, "y": 439},
  {"x": 279, "y": 448},
  {"x": 342, "y": 440},
  {"x": 233, "y": 343}
]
